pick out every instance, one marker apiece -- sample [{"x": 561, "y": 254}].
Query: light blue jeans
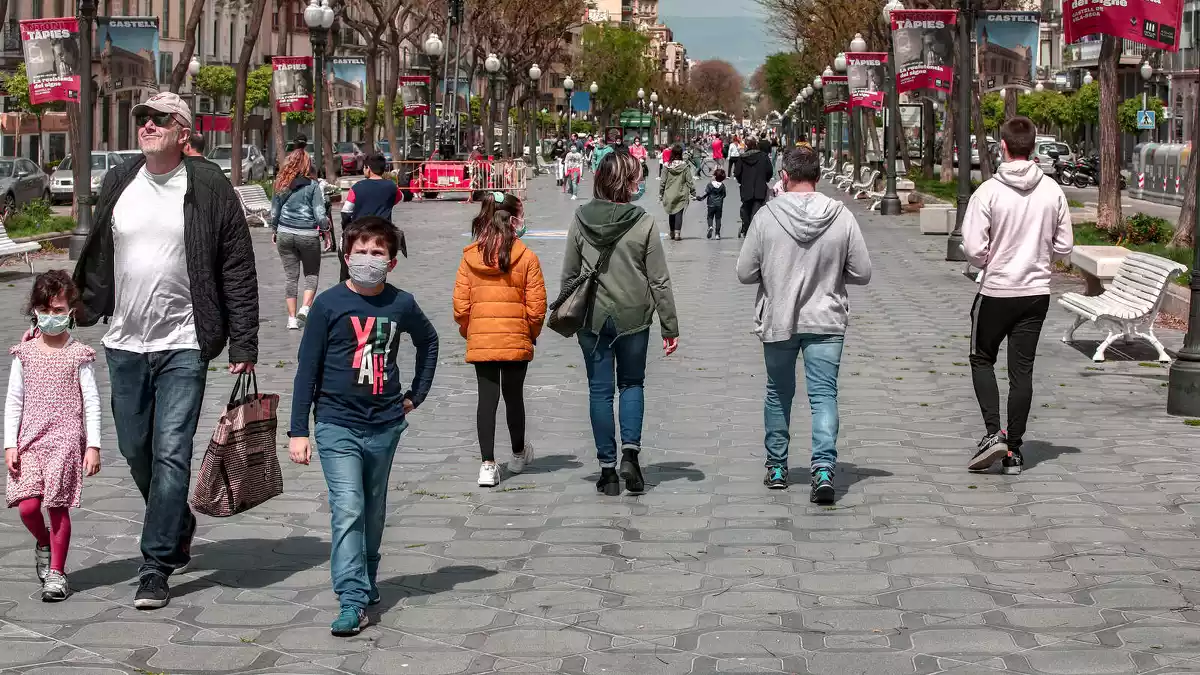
[
  {"x": 357, "y": 466},
  {"x": 822, "y": 359},
  {"x": 615, "y": 363}
]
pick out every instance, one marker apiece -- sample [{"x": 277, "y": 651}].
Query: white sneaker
[
  {"x": 293, "y": 323},
  {"x": 489, "y": 475},
  {"x": 574, "y": 197},
  {"x": 302, "y": 315},
  {"x": 42, "y": 558},
  {"x": 55, "y": 588},
  {"x": 518, "y": 462}
]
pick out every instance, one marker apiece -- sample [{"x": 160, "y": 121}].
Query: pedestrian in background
[
  {"x": 574, "y": 168},
  {"x": 718, "y": 151},
  {"x": 51, "y": 427},
  {"x": 676, "y": 191},
  {"x": 603, "y": 149},
  {"x": 754, "y": 176},
  {"x": 632, "y": 285},
  {"x": 802, "y": 252},
  {"x": 499, "y": 305},
  {"x": 735, "y": 153},
  {"x": 1017, "y": 224},
  {"x": 297, "y": 218},
  {"x": 714, "y": 193}
]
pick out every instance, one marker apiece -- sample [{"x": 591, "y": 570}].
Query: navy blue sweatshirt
[
  {"x": 371, "y": 197},
  {"x": 348, "y": 368},
  {"x": 715, "y": 197}
]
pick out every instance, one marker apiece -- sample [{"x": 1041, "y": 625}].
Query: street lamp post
[
  {"x": 569, "y": 88},
  {"x": 593, "y": 90},
  {"x": 653, "y": 102},
  {"x": 433, "y": 49},
  {"x": 83, "y": 226},
  {"x": 1147, "y": 72},
  {"x": 535, "y": 76},
  {"x": 319, "y": 17},
  {"x": 194, "y": 70},
  {"x": 819, "y": 115},
  {"x": 890, "y": 205},
  {"x": 858, "y": 44},
  {"x": 492, "y": 65},
  {"x": 839, "y": 65},
  {"x": 962, "y": 119}
]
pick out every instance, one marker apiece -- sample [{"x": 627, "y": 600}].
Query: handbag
[
  {"x": 240, "y": 468},
  {"x": 569, "y": 312}
]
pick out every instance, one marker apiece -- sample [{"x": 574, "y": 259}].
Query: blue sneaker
[
  {"x": 777, "y": 478},
  {"x": 349, "y": 622},
  {"x": 822, "y": 487}
]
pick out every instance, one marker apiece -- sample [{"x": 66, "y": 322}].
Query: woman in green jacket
[
  {"x": 631, "y": 287},
  {"x": 677, "y": 191}
]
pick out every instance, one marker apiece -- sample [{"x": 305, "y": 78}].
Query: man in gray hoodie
[{"x": 802, "y": 250}]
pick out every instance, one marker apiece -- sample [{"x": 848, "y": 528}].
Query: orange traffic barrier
[{"x": 429, "y": 178}]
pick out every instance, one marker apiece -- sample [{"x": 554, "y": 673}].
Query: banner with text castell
[
  {"x": 1008, "y": 49},
  {"x": 127, "y": 47}
]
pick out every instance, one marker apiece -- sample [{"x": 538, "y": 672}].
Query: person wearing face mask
[
  {"x": 51, "y": 427},
  {"x": 632, "y": 285},
  {"x": 348, "y": 379},
  {"x": 499, "y": 305}
]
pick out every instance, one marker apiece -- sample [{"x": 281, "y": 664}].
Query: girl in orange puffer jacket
[{"x": 499, "y": 304}]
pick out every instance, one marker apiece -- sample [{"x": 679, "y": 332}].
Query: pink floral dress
[{"x": 52, "y": 436}]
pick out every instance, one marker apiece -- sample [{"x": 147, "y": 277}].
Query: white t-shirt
[{"x": 153, "y": 311}]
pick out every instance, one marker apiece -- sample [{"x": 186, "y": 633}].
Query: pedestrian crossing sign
[{"x": 1145, "y": 119}]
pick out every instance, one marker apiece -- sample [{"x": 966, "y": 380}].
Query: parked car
[
  {"x": 21, "y": 181},
  {"x": 62, "y": 181},
  {"x": 352, "y": 159},
  {"x": 254, "y": 164},
  {"x": 384, "y": 148},
  {"x": 1042, "y": 154},
  {"x": 127, "y": 155}
]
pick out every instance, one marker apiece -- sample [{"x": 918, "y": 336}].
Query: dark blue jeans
[
  {"x": 156, "y": 401},
  {"x": 603, "y": 355}
]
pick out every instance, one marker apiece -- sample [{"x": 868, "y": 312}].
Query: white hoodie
[{"x": 1016, "y": 225}]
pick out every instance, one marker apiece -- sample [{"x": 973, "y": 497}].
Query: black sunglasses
[{"x": 160, "y": 119}]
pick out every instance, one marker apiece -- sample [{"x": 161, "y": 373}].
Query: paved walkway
[{"x": 1085, "y": 564}]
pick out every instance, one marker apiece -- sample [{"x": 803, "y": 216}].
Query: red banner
[
  {"x": 923, "y": 41},
  {"x": 866, "y": 73},
  {"x": 832, "y": 89},
  {"x": 414, "y": 91},
  {"x": 1155, "y": 23},
  {"x": 214, "y": 123},
  {"x": 293, "y": 83},
  {"x": 51, "y": 49}
]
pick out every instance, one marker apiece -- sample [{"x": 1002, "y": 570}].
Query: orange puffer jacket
[{"x": 500, "y": 313}]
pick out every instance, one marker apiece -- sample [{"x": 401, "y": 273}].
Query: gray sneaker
[
  {"x": 55, "y": 588},
  {"x": 41, "y": 557}
]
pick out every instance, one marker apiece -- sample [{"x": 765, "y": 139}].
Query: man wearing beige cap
[{"x": 170, "y": 265}]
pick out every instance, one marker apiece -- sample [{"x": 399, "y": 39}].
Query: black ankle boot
[
  {"x": 609, "y": 483},
  {"x": 631, "y": 471}
]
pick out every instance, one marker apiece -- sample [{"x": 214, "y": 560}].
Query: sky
[
  {"x": 708, "y": 8},
  {"x": 732, "y": 30}
]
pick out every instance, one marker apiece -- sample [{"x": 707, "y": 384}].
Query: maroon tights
[{"x": 58, "y": 537}]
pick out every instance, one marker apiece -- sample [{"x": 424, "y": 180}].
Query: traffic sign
[{"x": 1145, "y": 119}]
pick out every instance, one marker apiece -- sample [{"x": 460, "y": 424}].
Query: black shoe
[
  {"x": 1013, "y": 463},
  {"x": 609, "y": 483},
  {"x": 152, "y": 592},
  {"x": 631, "y": 471},
  {"x": 991, "y": 448},
  {"x": 777, "y": 478},
  {"x": 710, "y": 233},
  {"x": 822, "y": 487}
]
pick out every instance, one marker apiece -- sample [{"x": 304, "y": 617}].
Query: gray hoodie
[{"x": 802, "y": 250}]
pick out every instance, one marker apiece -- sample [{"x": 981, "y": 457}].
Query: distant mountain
[{"x": 740, "y": 40}]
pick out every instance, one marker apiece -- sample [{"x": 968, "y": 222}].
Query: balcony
[{"x": 1087, "y": 54}]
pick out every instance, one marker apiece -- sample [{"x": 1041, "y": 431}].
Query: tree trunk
[
  {"x": 239, "y": 100},
  {"x": 1185, "y": 229},
  {"x": 1010, "y": 104},
  {"x": 1109, "y": 212},
  {"x": 80, "y": 171},
  {"x": 948, "y": 143},
  {"x": 282, "y": 46},
  {"x": 189, "y": 46},
  {"x": 928, "y": 138},
  {"x": 327, "y": 127},
  {"x": 985, "y": 162},
  {"x": 372, "y": 101},
  {"x": 391, "y": 79}
]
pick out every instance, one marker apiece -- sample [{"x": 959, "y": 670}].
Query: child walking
[
  {"x": 714, "y": 192},
  {"x": 499, "y": 305},
  {"x": 348, "y": 373},
  {"x": 574, "y": 168},
  {"x": 51, "y": 427}
]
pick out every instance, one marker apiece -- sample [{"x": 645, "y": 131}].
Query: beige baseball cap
[{"x": 165, "y": 102}]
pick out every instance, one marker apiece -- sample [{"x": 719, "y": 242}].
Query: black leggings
[
  {"x": 675, "y": 222},
  {"x": 498, "y": 378},
  {"x": 1019, "y": 320}
]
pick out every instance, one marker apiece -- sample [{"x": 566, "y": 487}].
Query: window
[
  {"x": 166, "y": 63},
  {"x": 166, "y": 18},
  {"x": 26, "y": 166},
  {"x": 60, "y": 8},
  {"x": 183, "y": 20},
  {"x": 37, "y": 9},
  {"x": 124, "y": 7}
]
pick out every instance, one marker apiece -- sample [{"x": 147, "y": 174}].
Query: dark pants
[
  {"x": 992, "y": 320},
  {"x": 496, "y": 379},
  {"x": 675, "y": 220},
  {"x": 750, "y": 207},
  {"x": 156, "y": 401},
  {"x": 714, "y": 221}
]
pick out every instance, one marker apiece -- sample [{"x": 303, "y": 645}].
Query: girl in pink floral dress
[{"x": 51, "y": 427}]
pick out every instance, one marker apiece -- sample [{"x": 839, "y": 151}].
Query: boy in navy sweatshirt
[
  {"x": 348, "y": 373},
  {"x": 714, "y": 192}
]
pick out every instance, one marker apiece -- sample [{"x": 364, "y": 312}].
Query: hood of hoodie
[
  {"x": 474, "y": 257},
  {"x": 804, "y": 215},
  {"x": 603, "y": 223},
  {"x": 1022, "y": 175},
  {"x": 677, "y": 166},
  {"x": 751, "y": 157}
]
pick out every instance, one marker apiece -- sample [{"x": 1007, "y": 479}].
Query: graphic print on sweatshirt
[{"x": 376, "y": 335}]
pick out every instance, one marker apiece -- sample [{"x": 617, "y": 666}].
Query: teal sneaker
[
  {"x": 349, "y": 622},
  {"x": 822, "y": 487},
  {"x": 777, "y": 478}
]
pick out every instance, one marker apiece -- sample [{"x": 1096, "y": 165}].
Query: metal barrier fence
[{"x": 426, "y": 179}]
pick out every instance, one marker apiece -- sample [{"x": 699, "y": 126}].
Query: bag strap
[{"x": 243, "y": 385}]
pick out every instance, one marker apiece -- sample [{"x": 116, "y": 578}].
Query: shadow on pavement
[
  {"x": 848, "y": 475},
  {"x": 1036, "y": 452},
  {"x": 430, "y": 583},
  {"x": 1137, "y": 350},
  {"x": 552, "y": 463},
  {"x": 656, "y": 474}
]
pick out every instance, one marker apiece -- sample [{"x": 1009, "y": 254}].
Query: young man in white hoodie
[
  {"x": 802, "y": 250},
  {"x": 1016, "y": 225}
]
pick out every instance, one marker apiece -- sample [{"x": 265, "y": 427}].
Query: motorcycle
[
  {"x": 1064, "y": 171},
  {"x": 1087, "y": 173}
]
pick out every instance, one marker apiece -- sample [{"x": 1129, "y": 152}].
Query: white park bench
[
  {"x": 831, "y": 171},
  {"x": 863, "y": 187},
  {"x": 849, "y": 185},
  {"x": 255, "y": 203},
  {"x": 12, "y": 249},
  {"x": 1129, "y": 306},
  {"x": 903, "y": 189},
  {"x": 844, "y": 178}
]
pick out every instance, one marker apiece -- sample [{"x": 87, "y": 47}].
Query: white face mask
[{"x": 367, "y": 270}]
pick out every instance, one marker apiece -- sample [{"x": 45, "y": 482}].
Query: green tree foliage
[
  {"x": 258, "y": 87},
  {"x": 992, "y": 105},
  {"x": 16, "y": 85},
  {"x": 216, "y": 82},
  {"x": 1045, "y": 108},
  {"x": 1085, "y": 104},
  {"x": 303, "y": 117},
  {"x": 615, "y": 58},
  {"x": 1127, "y": 112},
  {"x": 782, "y": 78}
]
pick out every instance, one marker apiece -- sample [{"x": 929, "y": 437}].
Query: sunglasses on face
[{"x": 162, "y": 120}]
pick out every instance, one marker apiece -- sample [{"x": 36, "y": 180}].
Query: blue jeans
[
  {"x": 356, "y": 465},
  {"x": 156, "y": 402},
  {"x": 602, "y": 354},
  {"x": 822, "y": 358}
]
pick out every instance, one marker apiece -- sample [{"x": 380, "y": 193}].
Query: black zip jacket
[
  {"x": 220, "y": 260},
  {"x": 714, "y": 195}
]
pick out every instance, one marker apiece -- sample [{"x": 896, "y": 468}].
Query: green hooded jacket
[
  {"x": 635, "y": 282},
  {"x": 678, "y": 187},
  {"x": 599, "y": 154}
]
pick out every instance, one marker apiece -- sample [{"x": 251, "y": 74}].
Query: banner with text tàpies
[
  {"x": 293, "y": 83},
  {"x": 866, "y": 73},
  {"x": 1008, "y": 49},
  {"x": 924, "y": 45},
  {"x": 347, "y": 89},
  {"x": 414, "y": 91},
  {"x": 51, "y": 49},
  {"x": 834, "y": 91},
  {"x": 1154, "y": 23},
  {"x": 128, "y": 50}
]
